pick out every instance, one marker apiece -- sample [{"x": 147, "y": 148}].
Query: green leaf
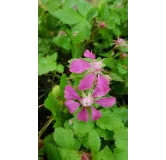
[
  {"x": 53, "y": 5},
  {"x": 64, "y": 138},
  {"x": 81, "y": 32},
  {"x": 60, "y": 68},
  {"x": 69, "y": 4},
  {"x": 77, "y": 144},
  {"x": 68, "y": 16},
  {"x": 52, "y": 104},
  {"x": 83, "y": 7},
  {"x": 121, "y": 69},
  {"x": 51, "y": 149},
  {"x": 93, "y": 12},
  {"x": 121, "y": 112},
  {"x": 104, "y": 133},
  {"x": 109, "y": 121},
  {"x": 67, "y": 154},
  {"x": 121, "y": 142},
  {"x": 121, "y": 154},
  {"x": 106, "y": 154},
  {"x": 109, "y": 62},
  {"x": 104, "y": 11},
  {"x": 94, "y": 141},
  {"x": 81, "y": 128},
  {"x": 62, "y": 85},
  {"x": 77, "y": 51},
  {"x": 56, "y": 91},
  {"x": 84, "y": 141},
  {"x": 63, "y": 41},
  {"x": 47, "y": 64},
  {"x": 116, "y": 77}
]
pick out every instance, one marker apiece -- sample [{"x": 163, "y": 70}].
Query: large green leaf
[
  {"x": 64, "y": 138},
  {"x": 94, "y": 141},
  {"x": 109, "y": 121},
  {"x": 106, "y": 154},
  {"x": 104, "y": 133},
  {"x": 68, "y": 16}
]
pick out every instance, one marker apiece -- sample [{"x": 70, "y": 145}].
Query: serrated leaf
[
  {"x": 62, "y": 85},
  {"x": 94, "y": 141},
  {"x": 77, "y": 144},
  {"x": 51, "y": 149},
  {"x": 81, "y": 32},
  {"x": 83, "y": 7},
  {"x": 121, "y": 138},
  {"x": 121, "y": 112},
  {"x": 106, "y": 154},
  {"x": 53, "y": 5},
  {"x": 109, "y": 121},
  {"x": 121, "y": 154},
  {"x": 47, "y": 64},
  {"x": 116, "y": 77},
  {"x": 81, "y": 128},
  {"x": 105, "y": 133},
  {"x": 64, "y": 138},
  {"x": 84, "y": 141},
  {"x": 68, "y": 16},
  {"x": 67, "y": 154},
  {"x": 63, "y": 41},
  {"x": 69, "y": 4},
  {"x": 52, "y": 104},
  {"x": 104, "y": 11}
]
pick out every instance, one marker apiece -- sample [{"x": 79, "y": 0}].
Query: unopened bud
[
  {"x": 123, "y": 55},
  {"x": 61, "y": 33},
  {"x": 71, "y": 121},
  {"x": 101, "y": 24}
]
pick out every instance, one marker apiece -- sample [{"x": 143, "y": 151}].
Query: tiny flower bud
[
  {"x": 71, "y": 121},
  {"x": 123, "y": 55},
  {"x": 61, "y": 33},
  {"x": 101, "y": 24},
  {"x": 75, "y": 33}
]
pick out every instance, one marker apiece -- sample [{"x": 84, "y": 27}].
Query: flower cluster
[{"x": 95, "y": 82}]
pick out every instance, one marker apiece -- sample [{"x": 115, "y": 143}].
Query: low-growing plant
[{"x": 83, "y": 80}]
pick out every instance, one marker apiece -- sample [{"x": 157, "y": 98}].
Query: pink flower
[
  {"x": 94, "y": 73},
  {"x": 74, "y": 101}
]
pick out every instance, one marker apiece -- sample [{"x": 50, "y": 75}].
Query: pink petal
[
  {"x": 70, "y": 93},
  {"x": 106, "y": 102},
  {"x": 72, "y": 105},
  {"x": 102, "y": 87},
  {"x": 79, "y": 66},
  {"x": 89, "y": 54},
  {"x": 95, "y": 114},
  {"x": 87, "y": 82},
  {"x": 83, "y": 115}
]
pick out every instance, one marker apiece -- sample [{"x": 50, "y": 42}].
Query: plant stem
[{"x": 45, "y": 127}]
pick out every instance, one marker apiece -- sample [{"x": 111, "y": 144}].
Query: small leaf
[
  {"x": 51, "y": 149},
  {"x": 68, "y": 16},
  {"x": 115, "y": 77},
  {"x": 60, "y": 68},
  {"x": 106, "y": 154},
  {"x": 52, "y": 104},
  {"x": 63, "y": 41},
  {"x": 64, "y": 138},
  {"x": 77, "y": 51},
  {"x": 94, "y": 141},
  {"x": 105, "y": 133},
  {"x": 67, "y": 154},
  {"x": 62, "y": 85}
]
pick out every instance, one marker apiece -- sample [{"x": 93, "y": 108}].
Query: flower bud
[{"x": 102, "y": 24}]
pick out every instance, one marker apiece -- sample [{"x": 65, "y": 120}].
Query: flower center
[
  {"x": 97, "y": 66},
  {"x": 87, "y": 101}
]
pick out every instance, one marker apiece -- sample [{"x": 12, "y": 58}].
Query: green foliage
[
  {"x": 94, "y": 141},
  {"x": 109, "y": 121},
  {"x": 66, "y": 28},
  {"x": 47, "y": 64},
  {"x": 106, "y": 154},
  {"x": 81, "y": 128}
]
